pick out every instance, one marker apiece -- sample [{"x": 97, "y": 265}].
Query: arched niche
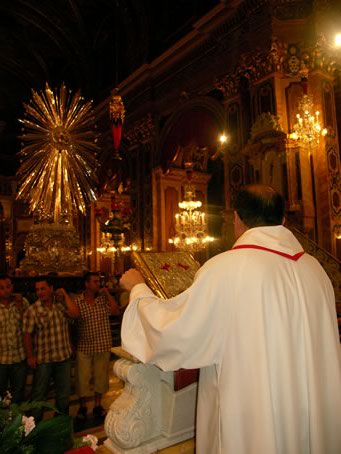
[
  {"x": 198, "y": 123},
  {"x": 190, "y": 134}
]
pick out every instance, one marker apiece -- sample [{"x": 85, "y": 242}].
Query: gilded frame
[{"x": 166, "y": 273}]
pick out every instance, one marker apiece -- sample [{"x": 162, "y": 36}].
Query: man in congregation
[
  {"x": 94, "y": 341},
  {"x": 47, "y": 343},
  {"x": 12, "y": 353},
  {"x": 260, "y": 322}
]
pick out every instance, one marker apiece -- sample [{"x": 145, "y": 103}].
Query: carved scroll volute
[{"x": 135, "y": 415}]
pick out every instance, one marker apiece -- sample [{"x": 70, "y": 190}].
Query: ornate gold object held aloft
[{"x": 57, "y": 175}]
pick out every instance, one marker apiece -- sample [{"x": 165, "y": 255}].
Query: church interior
[{"x": 127, "y": 127}]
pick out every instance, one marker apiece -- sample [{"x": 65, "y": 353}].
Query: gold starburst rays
[{"x": 58, "y": 154}]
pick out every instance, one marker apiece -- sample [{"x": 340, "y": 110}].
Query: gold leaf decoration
[{"x": 58, "y": 155}]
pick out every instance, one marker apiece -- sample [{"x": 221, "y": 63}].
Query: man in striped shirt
[
  {"x": 12, "y": 353},
  {"x": 47, "y": 343}
]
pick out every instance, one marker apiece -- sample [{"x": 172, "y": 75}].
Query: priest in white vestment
[{"x": 260, "y": 322}]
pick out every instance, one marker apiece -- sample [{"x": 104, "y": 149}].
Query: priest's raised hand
[{"x": 131, "y": 278}]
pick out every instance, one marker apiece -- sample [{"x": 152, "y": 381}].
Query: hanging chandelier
[
  {"x": 190, "y": 223},
  {"x": 307, "y": 129}
]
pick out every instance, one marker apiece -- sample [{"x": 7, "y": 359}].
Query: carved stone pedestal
[{"x": 149, "y": 415}]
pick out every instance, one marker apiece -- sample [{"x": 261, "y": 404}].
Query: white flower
[
  {"x": 91, "y": 440},
  {"x": 29, "y": 424}
]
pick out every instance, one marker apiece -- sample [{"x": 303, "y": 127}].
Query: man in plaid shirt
[
  {"x": 47, "y": 343},
  {"x": 12, "y": 353},
  {"x": 94, "y": 342}
]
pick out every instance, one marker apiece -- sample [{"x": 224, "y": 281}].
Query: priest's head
[{"x": 257, "y": 205}]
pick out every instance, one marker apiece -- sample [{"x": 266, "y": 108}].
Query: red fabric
[
  {"x": 283, "y": 254},
  {"x": 116, "y": 130},
  {"x": 82, "y": 450},
  {"x": 185, "y": 377}
]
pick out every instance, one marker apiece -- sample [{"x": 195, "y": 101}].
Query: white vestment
[{"x": 262, "y": 327}]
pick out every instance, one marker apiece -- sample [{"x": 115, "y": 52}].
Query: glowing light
[
  {"x": 190, "y": 224},
  {"x": 57, "y": 174},
  {"x": 223, "y": 139},
  {"x": 337, "y": 40},
  {"x": 307, "y": 128},
  {"x": 337, "y": 231}
]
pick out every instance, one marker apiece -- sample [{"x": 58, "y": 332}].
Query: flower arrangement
[
  {"x": 87, "y": 444},
  {"x": 19, "y": 433}
]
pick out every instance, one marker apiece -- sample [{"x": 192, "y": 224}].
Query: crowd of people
[{"x": 37, "y": 337}]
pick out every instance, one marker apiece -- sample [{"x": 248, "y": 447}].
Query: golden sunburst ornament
[{"x": 58, "y": 154}]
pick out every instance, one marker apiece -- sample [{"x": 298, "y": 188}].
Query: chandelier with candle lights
[
  {"x": 190, "y": 222},
  {"x": 307, "y": 129}
]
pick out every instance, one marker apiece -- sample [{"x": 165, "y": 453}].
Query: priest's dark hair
[{"x": 259, "y": 205}]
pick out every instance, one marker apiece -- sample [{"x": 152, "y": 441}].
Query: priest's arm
[{"x": 185, "y": 331}]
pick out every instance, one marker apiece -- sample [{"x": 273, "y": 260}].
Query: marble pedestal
[{"x": 149, "y": 415}]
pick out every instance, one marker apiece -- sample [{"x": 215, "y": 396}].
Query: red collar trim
[{"x": 283, "y": 254}]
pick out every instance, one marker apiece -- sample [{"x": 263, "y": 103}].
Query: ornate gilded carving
[
  {"x": 141, "y": 131},
  {"x": 254, "y": 66},
  {"x": 294, "y": 62},
  {"x": 52, "y": 248},
  {"x": 290, "y": 9},
  {"x": 266, "y": 125},
  {"x": 319, "y": 56},
  {"x": 281, "y": 57},
  {"x": 334, "y": 181},
  {"x": 228, "y": 85},
  {"x": 311, "y": 56}
]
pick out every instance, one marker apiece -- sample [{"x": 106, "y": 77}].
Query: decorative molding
[
  {"x": 254, "y": 66},
  {"x": 319, "y": 56},
  {"x": 141, "y": 131},
  {"x": 291, "y": 9},
  {"x": 149, "y": 415},
  {"x": 266, "y": 125},
  {"x": 283, "y": 57},
  {"x": 131, "y": 419},
  {"x": 266, "y": 132}
]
